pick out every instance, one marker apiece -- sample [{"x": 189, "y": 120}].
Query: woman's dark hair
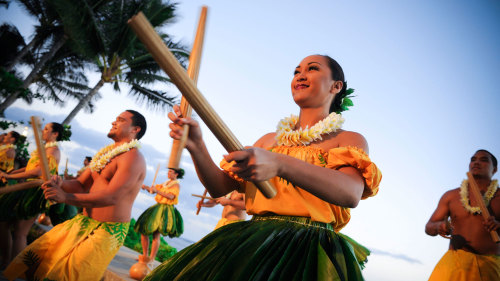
[
  {"x": 57, "y": 128},
  {"x": 179, "y": 172},
  {"x": 15, "y": 135},
  {"x": 337, "y": 75},
  {"x": 138, "y": 120}
]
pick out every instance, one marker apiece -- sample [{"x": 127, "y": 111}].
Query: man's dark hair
[
  {"x": 493, "y": 158},
  {"x": 140, "y": 121},
  {"x": 88, "y": 158}
]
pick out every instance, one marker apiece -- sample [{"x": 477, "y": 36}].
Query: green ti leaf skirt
[
  {"x": 268, "y": 248},
  {"x": 29, "y": 203},
  {"x": 163, "y": 218}
]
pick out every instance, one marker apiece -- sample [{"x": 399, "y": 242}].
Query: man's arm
[
  {"x": 237, "y": 201},
  {"x": 130, "y": 170},
  {"x": 437, "y": 223},
  {"x": 81, "y": 184}
]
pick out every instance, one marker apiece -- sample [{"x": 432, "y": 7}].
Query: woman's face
[
  {"x": 171, "y": 174},
  {"x": 312, "y": 83},
  {"x": 47, "y": 133}
]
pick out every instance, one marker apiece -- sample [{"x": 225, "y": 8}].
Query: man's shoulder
[
  {"x": 451, "y": 193},
  {"x": 133, "y": 156}
]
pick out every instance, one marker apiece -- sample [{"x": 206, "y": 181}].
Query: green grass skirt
[
  {"x": 29, "y": 203},
  {"x": 268, "y": 248},
  {"x": 160, "y": 217}
]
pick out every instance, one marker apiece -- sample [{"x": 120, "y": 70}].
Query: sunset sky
[{"x": 425, "y": 75}]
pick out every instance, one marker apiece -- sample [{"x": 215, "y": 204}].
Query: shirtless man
[
  {"x": 472, "y": 254},
  {"x": 234, "y": 207},
  {"x": 83, "y": 247}
]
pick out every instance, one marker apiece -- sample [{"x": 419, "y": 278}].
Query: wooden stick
[
  {"x": 203, "y": 196},
  {"x": 66, "y": 169},
  {"x": 44, "y": 163},
  {"x": 20, "y": 186},
  {"x": 154, "y": 178},
  {"x": 177, "y": 74},
  {"x": 202, "y": 200},
  {"x": 474, "y": 190},
  {"x": 40, "y": 147},
  {"x": 193, "y": 73}
]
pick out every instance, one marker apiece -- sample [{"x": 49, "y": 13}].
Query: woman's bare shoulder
[
  {"x": 266, "y": 141},
  {"x": 346, "y": 138}
]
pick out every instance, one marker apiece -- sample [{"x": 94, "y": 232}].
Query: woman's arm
[
  {"x": 17, "y": 174},
  {"x": 343, "y": 187},
  {"x": 211, "y": 176}
]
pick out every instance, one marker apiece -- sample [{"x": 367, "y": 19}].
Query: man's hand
[
  {"x": 3, "y": 175},
  {"x": 210, "y": 203},
  {"x": 444, "y": 228},
  {"x": 52, "y": 190},
  {"x": 491, "y": 224},
  {"x": 223, "y": 201}
]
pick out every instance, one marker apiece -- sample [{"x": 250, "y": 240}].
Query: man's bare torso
[
  {"x": 121, "y": 211},
  {"x": 232, "y": 213},
  {"x": 468, "y": 232}
]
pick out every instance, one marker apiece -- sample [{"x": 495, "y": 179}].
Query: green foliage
[
  {"x": 133, "y": 241},
  {"x": 66, "y": 134},
  {"x": 9, "y": 84},
  {"x": 346, "y": 101},
  {"x": 5, "y": 124}
]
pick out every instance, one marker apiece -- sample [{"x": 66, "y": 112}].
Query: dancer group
[{"x": 320, "y": 172}]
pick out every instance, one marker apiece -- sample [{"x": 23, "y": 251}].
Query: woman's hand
[
  {"x": 176, "y": 128},
  {"x": 254, "y": 164}
]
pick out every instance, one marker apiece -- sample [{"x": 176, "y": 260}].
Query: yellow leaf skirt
[{"x": 78, "y": 249}]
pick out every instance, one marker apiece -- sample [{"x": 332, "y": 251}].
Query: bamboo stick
[
  {"x": 20, "y": 186},
  {"x": 203, "y": 196},
  {"x": 177, "y": 74},
  {"x": 193, "y": 73},
  {"x": 474, "y": 190},
  {"x": 202, "y": 199},
  {"x": 154, "y": 178},
  {"x": 44, "y": 163}
]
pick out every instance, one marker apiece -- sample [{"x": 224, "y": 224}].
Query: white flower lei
[
  {"x": 103, "y": 156},
  {"x": 7, "y": 146},
  {"x": 285, "y": 135},
  {"x": 34, "y": 153},
  {"x": 464, "y": 196},
  {"x": 51, "y": 144}
]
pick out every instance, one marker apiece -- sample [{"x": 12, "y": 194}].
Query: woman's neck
[{"x": 311, "y": 116}]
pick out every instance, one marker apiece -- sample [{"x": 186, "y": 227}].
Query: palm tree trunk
[
  {"x": 20, "y": 55},
  {"x": 83, "y": 101},
  {"x": 34, "y": 72}
]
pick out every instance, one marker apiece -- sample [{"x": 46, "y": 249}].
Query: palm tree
[
  {"x": 62, "y": 76},
  {"x": 120, "y": 57},
  {"x": 47, "y": 27},
  {"x": 5, "y": 3},
  {"x": 52, "y": 31},
  {"x": 12, "y": 41}
]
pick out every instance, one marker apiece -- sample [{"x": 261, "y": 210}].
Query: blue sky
[{"x": 425, "y": 74}]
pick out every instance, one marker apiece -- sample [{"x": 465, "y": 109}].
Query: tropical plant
[
  {"x": 50, "y": 36},
  {"x": 119, "y": 56}
]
